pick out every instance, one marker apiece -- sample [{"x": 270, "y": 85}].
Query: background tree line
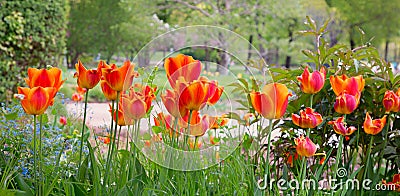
[{"x": 40, "y": 33}]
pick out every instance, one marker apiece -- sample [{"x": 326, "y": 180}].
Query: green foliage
[{"x": 31, "y": 35}]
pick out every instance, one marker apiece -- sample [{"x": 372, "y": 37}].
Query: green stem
[
  {"x": 34, "y": 154},
  {"x": 115, "y": 133},
  {"x": 176, "y": 131},
  {"x": 109, "y": 146},
  {"x": 368, "y": 159},
  {"x": 338, "y": 157},
  {"x": 119, "y": 135},
  {"x": 127, "y": 138},
  {"x": 195, "y": 142},
  {"x": 83, "y": 129},
  {"x": 268, "y": 151},
  {"x": 40, "y": 156},
  {"x": 188, "y": 128}
]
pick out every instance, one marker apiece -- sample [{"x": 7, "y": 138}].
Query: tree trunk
[
  {"x": 74, "y": 60},
  {"x": 352, "y": 42},
  {"x": 386, "y": 50},
  {"x": 288, "y": 57},
  {"x": 223, "y": 65}
]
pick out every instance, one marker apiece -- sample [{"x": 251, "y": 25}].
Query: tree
[{"x": 32, "y": 34}]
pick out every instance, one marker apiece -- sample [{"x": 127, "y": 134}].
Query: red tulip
[
  {"x": 313, "y": 83},
  {"x": 391, "y": 102},
  {"x": 217, "y": 122},
  {"x": 373, "y": 127},
  {"x": 305, "y": 147},
  {"x": 63, "y": 120},
  {"x": 394, "y": 183},
  {"x": 271, "y": 103},
  {"x": 307, "y": 118},
  {"x": 340, "y": 128},
  {"x": 346, "y": 103}
]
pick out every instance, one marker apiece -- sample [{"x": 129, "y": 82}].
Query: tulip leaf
[
  {"x": 11, "y": 116},
  {"x": 146, "y": 136},
  {"x": 157, "y": 129}
]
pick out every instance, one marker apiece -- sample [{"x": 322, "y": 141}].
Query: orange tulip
[
  {"x": 214, "y": 140},
  {"x": 307, "y": 118},
  {"x": 122, "y": 119},
  {"x": 193, "y": 95},
  {"x": 36, "y": 100},
  {"x": 373, "y": 127},
  {"x": 119, "y": 79},
  {"x": 171, "y": 103},
  {"x": 108, "y": 92},
  {"x": 291, "y": 158},
  {"x": 87, "y": 78},
  {"x": 346, "y": 103},
  {"x": 191, "y": 144},
  {"x": 146, "y": 93},
  {"x": 134, "y": 107},
  {"x": 247, "y": 118},
  {"x": 198, "y": 125},
  {"x": 182, "y": 66},
  {"x": 340, "y": 128},
  {"x": 217, "y": 122},
  {"x": 391, "y": 102},
  {"x": 165, "y": 121},
  {"x": 80, "y": 90},
  {"x": 351, "y": 85},
  {"x": 105, "y": 140},
  {"x": 394, "y": 183},
  {"x": 271, "y": 103},
  {"x": 44, "y": 78},
  {"x": 305, "y": 147},
  {"x": 77, "y": 97},
  {"x": 216, "y": 95},
  {"x": 313, "y": 83}
]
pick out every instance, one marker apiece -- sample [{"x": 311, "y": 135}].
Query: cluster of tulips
[
  {"x": 184, "y": 124},
  {"x": 43, "y": 85},
  {"x": 272, "y": 101}
]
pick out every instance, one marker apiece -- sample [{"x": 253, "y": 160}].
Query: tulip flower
[
  {"x": 391, "y": 102},
  {"x": 44, "y": 78},
  {"x": 171, "y": 103},
  {"x": 105, "y": 140},
  {"x": 305, "y": 147},
  {"x": 373, "y": 127},
  {"x": 313, "y": 83},
  {"x": 108, "y": 92},
  {"x": 80, "y": 90},
  {"x": 192, "y": 144},
  {"x": 291, "y": 158},
  {"x": 135, "y": 107},
  {"x": 165, "y": 121},
  {"x": 394, "y": 183},
  {"x": 182, "y": 66},
  {"x": 271, "y": 103},
  {"x": 63, "y": 120},
  {"x": 87, "y": 78},
  {"x": 193, "y": 95},
  {"x": 307, "y": 118},
  {"x": 216, "y": 95},
  {"x": 340, "y": 128},
  {"x": 35, "y": 100},
  {"x": 146, "y": 93},
  {"x": 198, "y": 125},
  {"x": 77, "y": 97},
  {"x": 122, "y": 119},
  {"x": 351, "y": 85},
  {"x": 346, "y": 103},
  {"x": 214, "y": 140},
  {"x": 119, "y": 79},
  {"x": 248, "y": 118},
  {"x": 217, "y": 122}
]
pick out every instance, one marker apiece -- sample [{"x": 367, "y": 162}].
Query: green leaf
[{"x": 157, "y": 129}]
